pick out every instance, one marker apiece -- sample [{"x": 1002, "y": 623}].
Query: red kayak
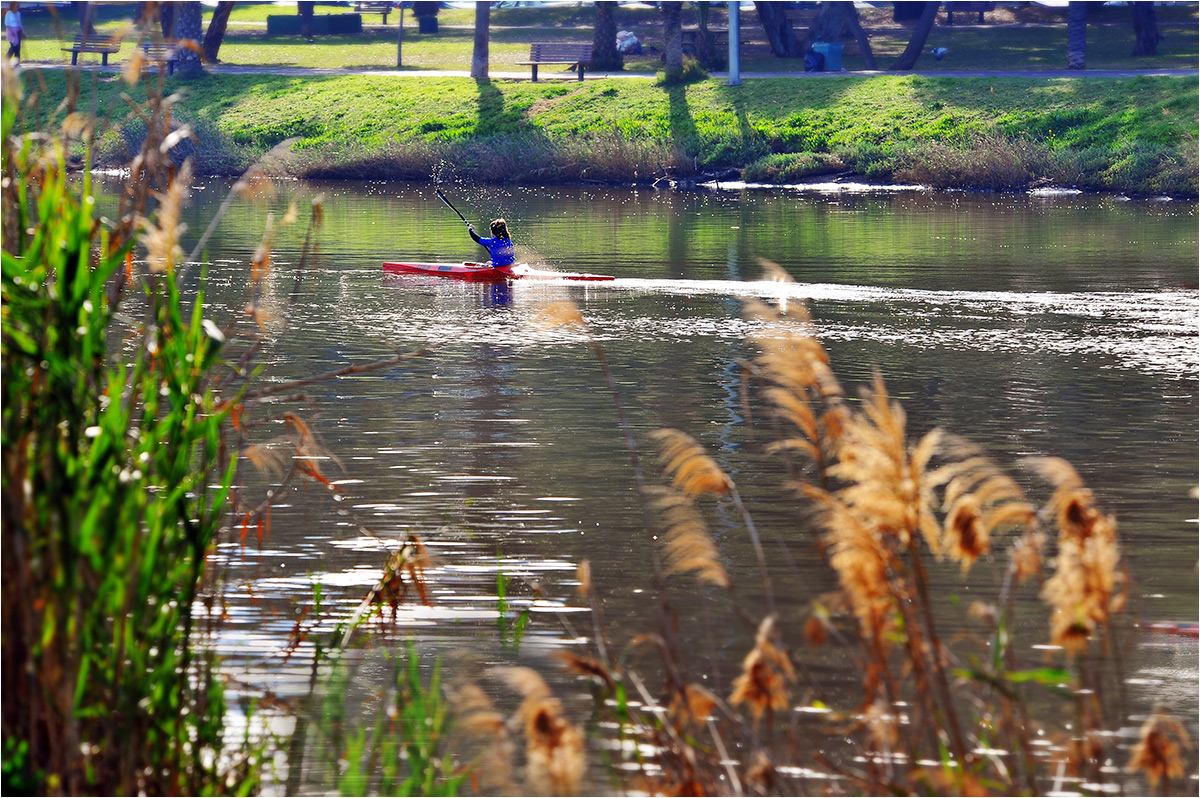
[{"x": 482, "y": 273}]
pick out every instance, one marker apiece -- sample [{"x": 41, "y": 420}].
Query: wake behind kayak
[{"x": 482, "y": 273}]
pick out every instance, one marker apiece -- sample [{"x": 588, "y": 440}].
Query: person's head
[{"x": 500, "y": 229}]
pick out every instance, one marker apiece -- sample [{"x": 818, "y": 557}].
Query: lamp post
[{"x": 735, "y": 70}]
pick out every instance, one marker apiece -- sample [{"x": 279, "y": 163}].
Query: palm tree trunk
[
  {"x": 605, "y": 55},
  {"x": 166, "y": 19},
  {"x": 908, "y": 59},
  {"x": 1076, "y": 34},
  {"x": 188, "y": 26},
  {"x": 479, "y": 56},
  {"x": 673, "y": 36}
]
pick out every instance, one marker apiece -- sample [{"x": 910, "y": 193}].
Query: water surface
[{"x": 1034, "y": 326}]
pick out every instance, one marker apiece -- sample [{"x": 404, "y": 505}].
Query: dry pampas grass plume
[
  {"x": 1087, "y": 583},
  {"x": 766, "y": 673},
  {"x": 691, "y": 470},
  {"x": 689, "y": 548},
  {"x": 555, "y": 761}
]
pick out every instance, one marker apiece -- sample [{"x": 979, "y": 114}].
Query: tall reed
[
  {"x": 114, "y": 486},
  {"x": 932, "y": 716}
]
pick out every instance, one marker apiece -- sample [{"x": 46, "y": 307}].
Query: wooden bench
[
  {"x": 968, "y": 8},
  {"x": 163, "y": 54},
  {"x": 95, "y": 43},
  {"x": 375, "y": 8},
  {"x": 558, "y": 53}
]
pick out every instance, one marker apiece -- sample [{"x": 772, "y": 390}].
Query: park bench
[
  {"x": 558, "y": 53},
  {"x": 375, "y": 8},
  {"x": 967, "y": 8},
  {"x": 95, "y": 43},
  {"x": 162, "y": 53}
]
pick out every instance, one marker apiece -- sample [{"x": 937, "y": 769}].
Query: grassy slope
[
  {"x": 358, "y": 125},
  {"x": 1135, "y": 135}
]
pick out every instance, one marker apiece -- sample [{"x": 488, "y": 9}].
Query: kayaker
[{"x": 499, "y": 246}]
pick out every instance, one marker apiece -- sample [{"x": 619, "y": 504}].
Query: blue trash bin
[{"x": 832, "y": 51}]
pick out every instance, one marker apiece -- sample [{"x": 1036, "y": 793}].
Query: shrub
[
  {"x": 114, "y": 488},
  {"x": 691, "y": 72},
  {"x": 791, "y": 167}
]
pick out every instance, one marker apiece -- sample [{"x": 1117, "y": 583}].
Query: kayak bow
[{"x": 482, "y": 273}]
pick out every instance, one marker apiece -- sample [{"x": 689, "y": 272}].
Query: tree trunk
[
  {"x": 673, "y": 36},
  {"x": 828, "y": 25},
  {"x": 84, "y": 10},
  {"x": 1076, "y": 34},
  {"x": 479, "y": 56},
  {"x": 707, "y": 53},
  {"x": 605, "y": 55},
  {"x": 166, "y": 19},
  {"x": 778, "y": 29},
  {"x": 860, "y": 35},
  {"x": 908, "y": 59},
  {"x": 400, "y": 39},
  {"x": 216, "y": 30},
  {"x": 188, "y": 25},
  {"x": 1145, "y": 29},
  {"x": 305, "y": 9}
]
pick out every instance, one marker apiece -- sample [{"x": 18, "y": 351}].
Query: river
[{"x": 1058, "y": 325}]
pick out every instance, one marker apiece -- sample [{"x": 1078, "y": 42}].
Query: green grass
[{"x": 347, "y": 125}]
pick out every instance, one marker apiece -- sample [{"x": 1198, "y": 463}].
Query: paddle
[
  {"x": 442, "y": 197},
  {"x": 449, "y": 205}
]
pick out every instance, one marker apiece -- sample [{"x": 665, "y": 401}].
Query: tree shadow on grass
[{"x": 680, "y": 123}]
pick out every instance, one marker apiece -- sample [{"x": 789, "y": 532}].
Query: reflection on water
[{"x": 1062, "y": 326}]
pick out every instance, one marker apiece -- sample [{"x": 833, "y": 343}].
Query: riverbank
[{"x": 1126, "y": 135}]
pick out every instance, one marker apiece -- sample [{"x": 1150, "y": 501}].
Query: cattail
[
  {"x": 762, "y": 773},
  {"x": 691, "y": 470},
  {"x": 883, "y": 726},
  {"x": 309, "y": 454},
  {"x": 265, "y": 458},
  {"x": 583, "y": 572},
  {"x": 261, "y": 263},
  {"x": 590, "y": 667},
  {"x": 861, "y": 558},
  {"x": 979, "y": 499},
  {"x": 688, "y": 544},
  {"x": 1027, "y": 555},
  {"x": 162, "y": 239},
  {"x": 816, "y": 628},
  {"x": 255, "y": 185},
  {"x": 1084, "y": 588},
  {"x": 691, "y": 707},
  {"x": 554, "y": 752},
  {"x": 888, "y": 487},
  {"x": 766, "y": 672},
  {"x": 477, "y": 717},
  {"x": 560, "y": 314},
  {"x": 1157, "y": 752}
]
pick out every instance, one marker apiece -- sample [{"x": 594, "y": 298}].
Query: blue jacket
[{"x": 501, "y": 249}]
